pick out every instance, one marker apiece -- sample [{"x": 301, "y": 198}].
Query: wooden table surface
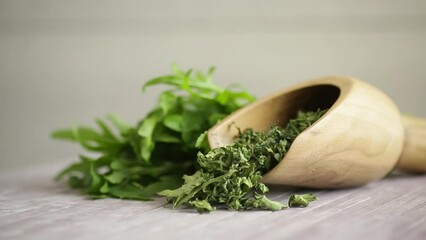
[{"x": 32, "y": 206}]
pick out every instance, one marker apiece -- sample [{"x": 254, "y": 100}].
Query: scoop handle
[{"x": 413, "y": 157}]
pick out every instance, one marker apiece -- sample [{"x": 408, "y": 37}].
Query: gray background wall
[{"x": 67, "y": 62}]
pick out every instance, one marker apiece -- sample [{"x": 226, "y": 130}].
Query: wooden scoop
[{"x": 361, "y": 138}]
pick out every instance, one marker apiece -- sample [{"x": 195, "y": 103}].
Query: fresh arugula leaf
[
  {"x": 164, "y": 182},
  {"x": 117, "y": 177},
  {"x": 202, "y": 142},
  {"x": 128, "y": 191},
  {"x": 169, "y": 102},
  {"x": 146, "y": 131},
  {"x": 123, "y": 127},
  {"x": 174, "y": 122},
  {"x": 96, "y": 181}
]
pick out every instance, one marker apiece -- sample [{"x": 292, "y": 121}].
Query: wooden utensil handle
[{"x": 413, "y": 157}]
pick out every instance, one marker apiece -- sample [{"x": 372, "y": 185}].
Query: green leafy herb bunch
[{"x": 137, "y": 162}]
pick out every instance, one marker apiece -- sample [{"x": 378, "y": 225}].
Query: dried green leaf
[
  {"x": 302, "y": 200},
  {"x": 202, "y": 206}
]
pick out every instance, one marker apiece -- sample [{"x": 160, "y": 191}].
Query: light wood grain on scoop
[{"x": 358, "y": 140}]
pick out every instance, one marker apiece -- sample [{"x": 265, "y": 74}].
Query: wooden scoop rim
[{"x": 343, "y": 83}]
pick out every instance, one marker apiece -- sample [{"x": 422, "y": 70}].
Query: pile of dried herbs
[{"x": 230, "y": 176}]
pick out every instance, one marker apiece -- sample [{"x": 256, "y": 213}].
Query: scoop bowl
[{"x": 358, "y": 140}]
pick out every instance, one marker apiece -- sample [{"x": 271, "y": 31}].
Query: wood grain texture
[
  {"x": 413, "y": 157},
  {"x": 32, "y": 206}
]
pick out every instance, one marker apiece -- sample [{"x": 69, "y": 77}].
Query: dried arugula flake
[{"x": 302, "y": 200}]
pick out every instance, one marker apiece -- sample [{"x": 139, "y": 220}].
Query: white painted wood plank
[{"x": 32, "y": 206}]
